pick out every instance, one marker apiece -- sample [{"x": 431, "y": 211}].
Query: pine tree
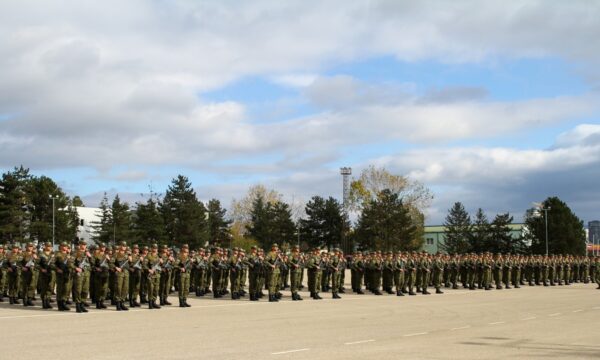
[
  {"x": 566, "y": 234},
  {"x": 14, "y": 205},
  {"x": 458, "y": 230},
  {"x": 386, "y": 224},
  {"x": 148, "y": 225},
  {"x": 324, "y": 224},
  {"x": 121, "y": 218},
  {"x": 501, "y": 240},
  {"x": 103, "y": 228},
  {"x": 480, "y": 233},
  {"x": 183, "y": 214},
  {"x": 218, "y": 225}
]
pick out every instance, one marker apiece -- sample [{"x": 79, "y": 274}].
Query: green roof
[{"x": 442, "y": 228}]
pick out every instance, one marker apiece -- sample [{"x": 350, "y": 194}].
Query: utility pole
[
  {"x": 53, "y": 197},
  {"x": 545, "y": 210}
]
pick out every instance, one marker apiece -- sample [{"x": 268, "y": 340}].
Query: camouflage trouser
[
  {"x": 295, "y": 281},
  {"x": 62, "y": 290},
  {"x": 3, "y": 282},
  {"x": 411, "y": 280},
  {"x": 313, "y": 280},
  {"x": 242, "y": 279},
  {"x": 165, "y": 283},
  {"x": 13, "y": 283},
  {"x": 200, "y": 280},
  {"x": 272, "y": 280},
  {"x": 234, "y": 280},
  {"x": 81, "y": 284},
  {"x": 101, "y": 285},
  {"x": 507, "y": 276},
  {"x": 135, "y": 278},
  {"x": 498, "y": 277},
  {"x": 45, "y": 289},
  {"x": 27, "y": 284},
  {"x": 121, "y": 286},
  {"x": 399, "y": 280},
  {"x": 152, "y": 286},
  {"x": 388, "y": 279},
  {"x": 425, "y": 280},
  {"x": 335, "y": 282},
  {"x": 438, "y": 275},
  {"x": 184, "y": 285},
  {"x": 516, "y": 276}
]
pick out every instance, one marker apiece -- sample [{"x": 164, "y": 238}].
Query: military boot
[
  {"x": 438, "y": 291},
  {"x": 118, "y": 305},
  {"x": 78, "y": 307},
  {"x": 335, "y": 296},
  {"x": 185, "y": 303},
  {"x": 181, "y": 302},
  {"x": 298, "y": 297},
  {"x": 155, "y": 305},
  {"x": 399, "y": 293},
  {"x": 83, "y": 309},
  {"x": 123, "y": 307},
  {"x": 26, "y": 302}
]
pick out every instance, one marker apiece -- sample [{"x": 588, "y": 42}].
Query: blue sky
[{"x": 480, "y": 106}]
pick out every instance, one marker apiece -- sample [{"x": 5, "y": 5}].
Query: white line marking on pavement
[
  {"x": 359, "y": 342},
  {"x": 460, "y": 328},
  {"x": 498, "y": 323},
  {"x": 529, "y": 318},
  {"x": 596, "y": 308},
  {"x": 289, "y": 351},
  {"x": 555, "y": 314},
  {"x": 416, "y": 334},
  {"x": 579, "y": 310}
]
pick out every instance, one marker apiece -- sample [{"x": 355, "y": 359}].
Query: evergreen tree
[
  {"x": 14, "y": 205},
  {"x": 148, "y": 225},
  {"x": 458, "y": 230},
  {"x": 183, "y": 214},
  {"x": 103, "y": 228},
  {"x": 121, "y": 218},
  {"x": 566, "y": 234},
  {"x": 480, "y": 233},
  {"x": 324, "y": 224},
  {"x": 258, "y": 226},
  {"x": 386, "y": 224},
  {"x": 282, "y": 226},
  {"x": 218, "y": 225},
  {"x": 500, "y": 239}
]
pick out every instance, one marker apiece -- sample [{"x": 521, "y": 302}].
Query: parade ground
[{"x": 527, "y": 323}]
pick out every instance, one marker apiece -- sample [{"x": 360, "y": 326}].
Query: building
[
  {"x": 435, "y": 236},
  {"x": 87, "y": 217}
]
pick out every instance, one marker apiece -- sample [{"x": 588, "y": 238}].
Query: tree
[
  {"x": 500, "y": 239},
  {"x": 566, "y": 234},
  {"x": 282, "y": 227},
  {"x": 77, "y": 201},
  {"x": 103, "y": 228},
  {"x": 480, "y": 232},
  {"x": 415, "y": 196},
  {"x": 241, "y": 210},
  {"x": 324, "y": 224},
  {"x": 121, "y": 220},
  {"x": 218, "y": 225},
  {"x": 14, "y": 210},
  {"x": 148, "y": 225},
  {"x": 458, "y": 230},
  {"x": 183, "y": 214},
  {"x": 270, "y": 223},
  {"x": 386, "y": 224}
]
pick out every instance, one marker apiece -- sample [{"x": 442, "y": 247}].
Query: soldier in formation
[{"x": 125, "y": 274}]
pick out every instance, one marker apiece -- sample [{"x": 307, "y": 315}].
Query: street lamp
[
  {"x": 545, "y": 210},
  {"x": 53, "y": 197}
]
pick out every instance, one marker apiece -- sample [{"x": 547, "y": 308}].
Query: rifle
[
  {"x": 156, "y": 267},
  {"x": 125, "y": 264},
  {"x": 137, "y": 265}
]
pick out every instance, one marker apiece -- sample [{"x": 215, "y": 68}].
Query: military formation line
[{"x": 123, "y": 275}]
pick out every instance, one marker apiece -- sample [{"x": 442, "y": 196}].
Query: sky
[{"x": 494, "y": 104}]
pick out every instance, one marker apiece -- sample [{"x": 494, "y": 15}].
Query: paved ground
[{"x": 528, "y": 323}]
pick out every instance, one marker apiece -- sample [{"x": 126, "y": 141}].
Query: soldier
[
  {"x": 486, "y": 266},
  {"x": 243, "y": 273},
  {"x": 28, "y": 264},
  {"x": 46, "y": 260},
  {"x": 296, "y": 268},
  {"x": 81, "y": 280},
  {"x": 135, "y": 276},
  {"x": 334, "y": 270},
  {"x": 120, "y": 266},
  {"x": 498, "y": 265},
  {"x": 144, "y": 278},
  {"x": 184, "y": 266},
  {"x": 411, "y": 268},
  {"x": 13, "y": 272},
  {"x": 63, "y": 265},
  {"x": 101, "y": 275},
  {"x": 357, "y": 271},
  {"x": 152, "y": 266},
  {"x": 200, "y": 266},
  {"x": 507, "y": 268},
  {"x": 376, "y": 270},
  {"x": 388, "y": 273},
  {"x": 597, "y": 273},
  {"x": 272, "y": 261},
  {"x": 165, "y": 275},
  {"x": 438, "y": 273},
  {"x": 216, "y": 260},
  {"x": 253, "y": 265},
  {"x": 234, "y": 265},
  {"x": 313, "y": 273},
  {"x": 399, "y": 268},
  {"x": 425, "y": 269}
]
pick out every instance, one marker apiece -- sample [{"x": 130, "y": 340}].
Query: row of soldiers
[
  {"x": 150, "y": 274},
  {"x": 407, "y": 272}
]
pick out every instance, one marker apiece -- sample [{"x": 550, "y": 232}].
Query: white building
[{"x": 87, "y": 217}]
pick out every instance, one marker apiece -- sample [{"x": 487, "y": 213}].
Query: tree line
[{"x": 565, "y": 231}]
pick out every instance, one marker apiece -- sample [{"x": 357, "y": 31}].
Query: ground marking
[
  {"x": 460, "y": 328},
  {"x": 359, "y": 342},
  {"x": 416, "y": 334},
  {"x": 579, "y": 310},
  {"x": 529, "y": 318},
  {"x": 498, "y": 323},
  {"x": 555, "y": 314},
  {"x": 289, "y": 351}
]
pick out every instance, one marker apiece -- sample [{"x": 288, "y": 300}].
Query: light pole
[
  {"x": 545, "y": 210},
  {"x": 53, "y": 197}
]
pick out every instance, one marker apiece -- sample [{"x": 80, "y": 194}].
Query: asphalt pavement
[{"x": 527, "y": 323}]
